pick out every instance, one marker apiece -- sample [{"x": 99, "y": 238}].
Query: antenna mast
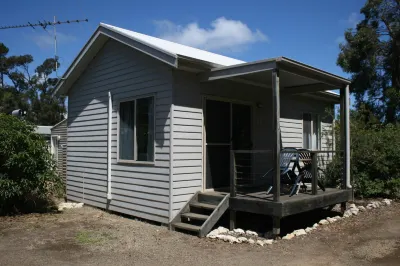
[
  {"x": 43, "y": 24},
  {"x": 55, "y": 45}
]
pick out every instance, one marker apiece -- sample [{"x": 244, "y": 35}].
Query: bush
[
  {"x": 27, "y": 170},
  {"x": 375, "y": 160}
]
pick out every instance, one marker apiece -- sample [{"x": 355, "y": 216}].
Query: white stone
[
  {"x": 227, "y": 238},
  {"x": 323, "y": 221},
  {"x": 315, "y": 226},
  {"x": 222, "y": 237},
  {"x": 239, "y": 231},
  {"x": 242, "y": 239},
  {"x": 288, "y": 236},
  {"x": 69, "y": 205},
  {"x": 309, "y": 229},
  {"x": 331, "y": 220},
  {"x": 213, "y": 233},
  {"x": 375, "y": 204},
  {"x": 369, "y": 207},
  {"x": 222, "y": 230},
  {"x": 268, "y": 241},
  {"x": 337, "y": 218},
  {"x": 299, "y": 232},
  {"x": 251, "y": 233},
  {"x": 347, "y": 214},
  {"x": 260, "y": 242},
  {"x": 211, "y": 236},
  {"x": 387, "y": 201},
  {"x": 251, "y": 241},
  {"x": 352, "y": 206},
  {"x": 362, "y": 208}
]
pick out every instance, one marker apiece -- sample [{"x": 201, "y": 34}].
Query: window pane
[
  {"x": 126, "y": 130},
  {"x": 145, "y": 129},
  {"x": 316, "y": 132},
  {"x": 307, "y": 131}
]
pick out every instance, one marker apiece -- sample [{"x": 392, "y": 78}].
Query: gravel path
[{"x": 88, "y": 236}]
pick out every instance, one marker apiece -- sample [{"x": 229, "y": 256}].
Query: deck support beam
[
  {"x": 232, "y": 220},
  {"x": 276, "y": 134},
  {"x": 276, "y": 226}
]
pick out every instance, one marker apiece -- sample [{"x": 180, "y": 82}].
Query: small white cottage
[{"x": 151, "y": 123}]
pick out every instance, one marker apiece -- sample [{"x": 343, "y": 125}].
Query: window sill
[{"x": 135, "y": 162}]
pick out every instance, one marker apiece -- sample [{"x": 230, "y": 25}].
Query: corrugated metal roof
[{"x": 175, "y": 48}]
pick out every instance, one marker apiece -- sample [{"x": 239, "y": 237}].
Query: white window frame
[
  {"x": 135, "y": 161},
  {"x": 318, "y": 141}
]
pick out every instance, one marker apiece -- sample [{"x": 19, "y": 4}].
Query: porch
[
  {"x": 288, "y": 77},
  {"x": 229, "y": 129},
  {"x": 262, "y": 203}
]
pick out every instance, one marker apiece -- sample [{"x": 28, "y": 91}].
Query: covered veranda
[{"x": 285, "y": 76}]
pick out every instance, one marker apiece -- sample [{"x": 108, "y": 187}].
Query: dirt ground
[{"x": 89, "y": 236}]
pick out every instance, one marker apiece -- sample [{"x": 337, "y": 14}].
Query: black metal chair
[{"x": 287, "y": 175}]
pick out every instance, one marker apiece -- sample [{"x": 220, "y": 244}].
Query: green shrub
[
  {"x": 27, "y": 170},
  {"x": 375, "y": 160}
]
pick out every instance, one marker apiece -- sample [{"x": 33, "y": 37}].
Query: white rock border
[
  {"x": 69, "y": 205},
  {"x": 352, "y": 210},
  {"x": 241, "y": 236}
]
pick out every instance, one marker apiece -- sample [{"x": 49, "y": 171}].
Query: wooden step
[
  {"x": 211, "y": 197},
  {"x": 188, "y": 227},
  {"x": 203, "y": 205},
  {"x": 195, "y": 216}
]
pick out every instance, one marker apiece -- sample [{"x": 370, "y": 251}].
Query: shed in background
[{"x": 59, "y": 147}]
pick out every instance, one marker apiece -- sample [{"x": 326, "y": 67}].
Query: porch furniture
[
  {"x": 305, "y": 171},
  {"x": 287, "y": 175}
]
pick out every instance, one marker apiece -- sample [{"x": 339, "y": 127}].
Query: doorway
[{"x": 227, "y": 126}]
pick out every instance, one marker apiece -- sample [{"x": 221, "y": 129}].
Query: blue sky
[{"x": 308, "y": 31}]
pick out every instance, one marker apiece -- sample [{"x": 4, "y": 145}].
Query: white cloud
[
  {"x": 352, "y": 20},
  {"x": 224, "y": 34},
  {"x": 46, "y": 40}
]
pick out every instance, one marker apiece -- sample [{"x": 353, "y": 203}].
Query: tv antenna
[{"x": 44, "y": 24}]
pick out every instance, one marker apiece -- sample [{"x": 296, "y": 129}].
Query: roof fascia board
[
  {"x": 193, "y": 64},
  {"x": 307, "y": 88},
  {"x": 323, "y": 95},
  {"x": 304, "y": 70},
  {"x": 161, "y": 55},
  {"x": 238, "y": 70},
  {"x": 59, "y": 123}
]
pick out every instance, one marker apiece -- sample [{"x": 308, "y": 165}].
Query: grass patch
[{"x": 92, "y": 238}]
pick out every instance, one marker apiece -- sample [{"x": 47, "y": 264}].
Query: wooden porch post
[
  {"x": 345, "y": 134},
  {"x": 232, "y": 218},
  {"x": 276, "y": 133}
]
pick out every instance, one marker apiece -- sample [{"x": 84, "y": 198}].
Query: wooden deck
[{"x": 262, "y": 203}]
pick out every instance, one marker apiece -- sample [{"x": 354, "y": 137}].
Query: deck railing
[{"x": 253, "y": 170}]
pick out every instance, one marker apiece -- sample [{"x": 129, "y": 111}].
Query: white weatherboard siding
[
  {"x": 292, "y": 109},
  {"x": 187, "y": 140},
  {"x": 138, "y": 190}
]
